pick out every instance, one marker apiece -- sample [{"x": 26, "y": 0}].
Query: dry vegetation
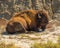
[
  {"x": 49, "y": 44},
  {"x": 3, "y": 45}
]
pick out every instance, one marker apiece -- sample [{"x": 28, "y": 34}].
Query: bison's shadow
[{"x": 28, "y": 32}]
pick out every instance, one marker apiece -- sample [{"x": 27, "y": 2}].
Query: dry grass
[
  {"x": 3, "y": 45},
  {"x": 10, "y": 46},
  {"x": 49, "y": 44}
]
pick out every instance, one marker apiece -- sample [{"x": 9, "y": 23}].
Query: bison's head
[{"x": 42, "y": 20}]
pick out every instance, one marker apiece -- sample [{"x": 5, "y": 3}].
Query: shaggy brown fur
[
  {"x": 31, "y": 20},
  {"x": 42, "y": 19}
]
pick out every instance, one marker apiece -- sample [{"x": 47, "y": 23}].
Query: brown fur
[
  {"x": 3, "y": 23},
  {"x": 43, "y": 20},
  {"x": 29, "y": 20},
  {"x": 16, "y": 24}
]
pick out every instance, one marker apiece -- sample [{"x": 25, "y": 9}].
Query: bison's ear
[{"x": 39, "y": 15}]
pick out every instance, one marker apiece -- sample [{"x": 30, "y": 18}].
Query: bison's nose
[{"x": 10, "y": 29}]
